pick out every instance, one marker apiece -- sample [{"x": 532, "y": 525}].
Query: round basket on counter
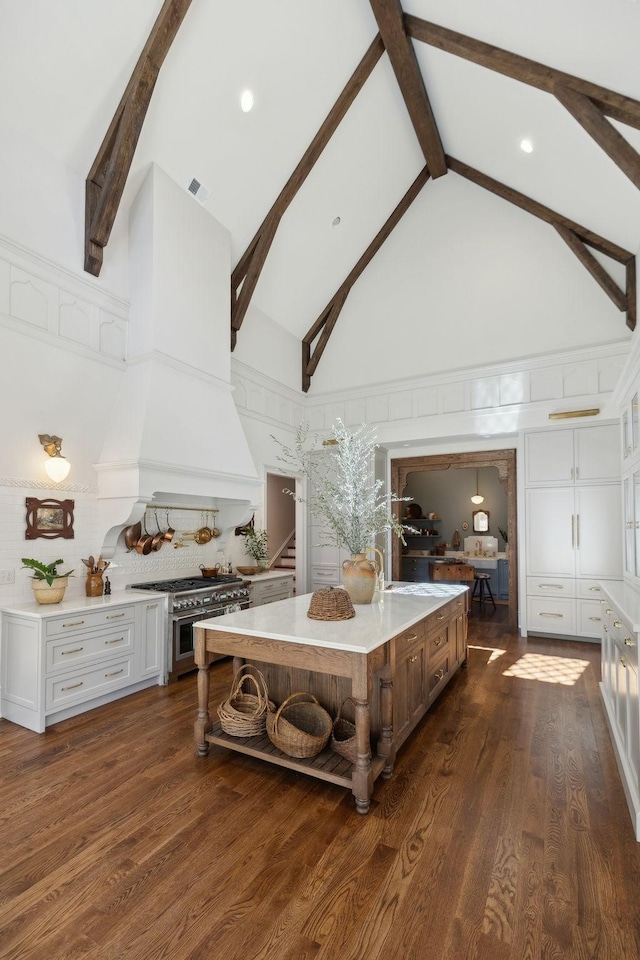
[
  {"x": 244, "y": 714},
  {"x": 331, "y": 603},
  {"x": 300, "y": 727}
]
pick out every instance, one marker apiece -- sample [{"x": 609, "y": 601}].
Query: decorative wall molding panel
[
  {"x": 43, "y": 299},
  {"x": 21, "y": 483},
  {"x": 503, "y": 392}
]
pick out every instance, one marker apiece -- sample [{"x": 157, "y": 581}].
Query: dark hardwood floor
[{"x": 503, "y": 834}]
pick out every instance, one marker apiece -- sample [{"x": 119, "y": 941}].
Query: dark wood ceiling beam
[
  {"x": 108, "y": 175},
  {"x": 539, "y": 210},
  {"x": 591, "y": 118},
  {"x": 327, "y": 319},
  {"x": 615, "y": 105},
  {"x": 402, "y": 56},
  {"x": 572, "y": 233},
  {"x": 595, "y": 268},
  {"x": 240, "y": 301},
  {"x": 337, "y": 113}
]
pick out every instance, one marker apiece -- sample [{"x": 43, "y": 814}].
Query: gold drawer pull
[
  {"x": 595, "y": 589},
  {"x": 605, "y": 628},
  {"x": 623, "y": 662},
  {"x": 441, "y": 616},
  {"x": 551, "y": 586},
  {"x": 115, "y": 616},
  {"x": 413, "y": 659},
  {"x": 73, "y": 687},
  {"x": 75, "y": 650},
  {"x": 595, "y": 619},
  {"x": 628, "y": 642},
  {"x": 439, "y": 675},
  {"x": 114, "y": 673},
  {"x": 608, "y": 610},
  {"x": 557, "y": 615},
  {"x": 76, "y": 623},
  {"x": 117, "y": 640},
  {"x": 617, "y": 623},
  {"x": 150, "y": 606},
  {"x": 438, "y": 641},
  {"x": 411, "y": 636}
]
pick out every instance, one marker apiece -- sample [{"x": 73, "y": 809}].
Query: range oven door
[{"x": 182, "y": 659}]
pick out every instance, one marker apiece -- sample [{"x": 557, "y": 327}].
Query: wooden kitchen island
[{"x": 393, "y": 659}]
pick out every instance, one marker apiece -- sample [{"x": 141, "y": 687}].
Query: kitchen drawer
[
  {"x": 437, "y": 620},
  {"x": 65, "y": 653},
  {"x": 324, "y": 576},
  {"x": 83, "y": 621},
  {"x": 438, "y": 676},
  {"x": 84, "y": 685},
  {"x": 551, "y": 615},
  {"x": 589, "y": 590},
  {"x": 551, "y": 586},
  {"x": 621, "y": 634},
  {"x": 408, "y": 637},
  {"x": 590, "y": 618},
  {"x": 438, "y": 641}
]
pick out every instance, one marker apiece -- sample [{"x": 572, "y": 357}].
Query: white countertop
[
  {"x": 625, "y": 598},
  {"x": 268, "y": 575},
  {"x": 398, "y": 608},
  {"x": 79, "y": 604}
]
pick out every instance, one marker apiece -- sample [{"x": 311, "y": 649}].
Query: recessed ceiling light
[
  {"x": 526, "y": 146},
  {"x": 247, "y": 100},
  {"x": 335, "y": 222}
]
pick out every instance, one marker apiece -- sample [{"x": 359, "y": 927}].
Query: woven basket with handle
[
  {"x": 300, "y": 727},
  {"x": 343, "y": 734},
  {"x": 331, "y": 604},
  {"x": 244, "y": 714}
]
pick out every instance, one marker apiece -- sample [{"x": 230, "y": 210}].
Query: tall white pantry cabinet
[{"x": 573, "y": 527}]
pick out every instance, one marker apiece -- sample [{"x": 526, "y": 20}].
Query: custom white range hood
[{"x": 175, "y": 436}]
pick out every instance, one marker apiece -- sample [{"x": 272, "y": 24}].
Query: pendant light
[{"x": 477, "y": 498}]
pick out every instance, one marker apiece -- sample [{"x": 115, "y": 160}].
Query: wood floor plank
[{"x": 503, "y": 834}]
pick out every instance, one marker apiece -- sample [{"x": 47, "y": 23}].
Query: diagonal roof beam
[
  {"x": 251, "y": 262},
  {"x": 575, "y": 235},
  {"x": 108, "y": 175},
  {"x": 592, "y": 119},
  {"x": 402, "y": 56},
  {"x": 612, "y": 104},
  {"x": 327, "y": 320}
]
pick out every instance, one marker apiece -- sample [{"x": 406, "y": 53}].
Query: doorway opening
[
  {"x": 505, "y": 462},
  {"x": 281, "y": 524}
]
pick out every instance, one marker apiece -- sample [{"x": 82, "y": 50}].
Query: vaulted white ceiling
[{"x": 465, "y": 277}]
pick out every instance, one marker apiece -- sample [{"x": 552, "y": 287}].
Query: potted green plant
[
  {"x": 48, "y": 584},
  {"x": 344, "y": 494},
  {"x": 256, "y": 546}
]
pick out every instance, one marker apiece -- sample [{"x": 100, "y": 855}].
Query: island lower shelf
[{"x": 327, "y": 765}]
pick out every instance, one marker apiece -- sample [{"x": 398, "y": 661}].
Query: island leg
[
  {"x": 202, "y": 725},
  {"x": 362, "y": 777}
]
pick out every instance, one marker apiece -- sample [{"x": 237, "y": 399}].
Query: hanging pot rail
[{"x": 163, "y": 506}]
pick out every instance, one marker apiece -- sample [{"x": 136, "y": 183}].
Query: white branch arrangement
[{"x": 343, "y": 493}]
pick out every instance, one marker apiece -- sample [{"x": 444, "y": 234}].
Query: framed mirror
[{"x": 481, "y": 521}]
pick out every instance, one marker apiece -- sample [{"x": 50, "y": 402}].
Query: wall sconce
[
  {"x": 56, "y": 466},
  {"x": 478, "y": 498}
]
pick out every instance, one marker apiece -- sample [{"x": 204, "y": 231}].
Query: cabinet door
[
  {"x": 550, "y": 532},
  {"x": 150, "y": 641},
  {"x": 549, "y": 457},
  {"x": 409, "y": 686},
  {"x": 597, "y": 453},
  {"x": 628, "y": 493},
  {"x": 598, "y": 531}
]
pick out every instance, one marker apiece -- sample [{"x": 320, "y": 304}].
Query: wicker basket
[
  {"x": 331, "y": 604},
  {"x": 343, "y": 734},
  {"x": 300, "y": 729},
  {"x": 245, "y": 714}
]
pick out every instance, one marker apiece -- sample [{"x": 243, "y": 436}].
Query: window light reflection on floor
[
  {"x": 536, "y": 666},
  {"x": 494, "y": 652}
]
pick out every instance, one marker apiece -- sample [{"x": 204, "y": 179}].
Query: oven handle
[{"x": 208, "y": 614}]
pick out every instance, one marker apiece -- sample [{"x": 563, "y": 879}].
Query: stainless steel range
[{"x": 192, "y": 599}]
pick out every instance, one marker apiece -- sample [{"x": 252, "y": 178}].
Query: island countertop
[{"x": 400, "y": 606}]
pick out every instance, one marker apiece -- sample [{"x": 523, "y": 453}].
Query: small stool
[{"x": 481, "y": 588}]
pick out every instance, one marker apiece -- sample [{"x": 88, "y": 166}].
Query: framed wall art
[{"x": 49, "y": 519}]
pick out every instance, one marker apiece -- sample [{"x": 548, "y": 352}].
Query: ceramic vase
[
  {"x": 94, "y": 586},
  {"x": 359, "y": 577}
]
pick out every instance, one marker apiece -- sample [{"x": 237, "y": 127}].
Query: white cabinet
[
  {"x": 619, "y": 688},
  {"x": 573, "y": 530},
  {"x": 271, "y": 589},
  {"x": 59, "y": 662},
  {"x": 583, "y": 455}
]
